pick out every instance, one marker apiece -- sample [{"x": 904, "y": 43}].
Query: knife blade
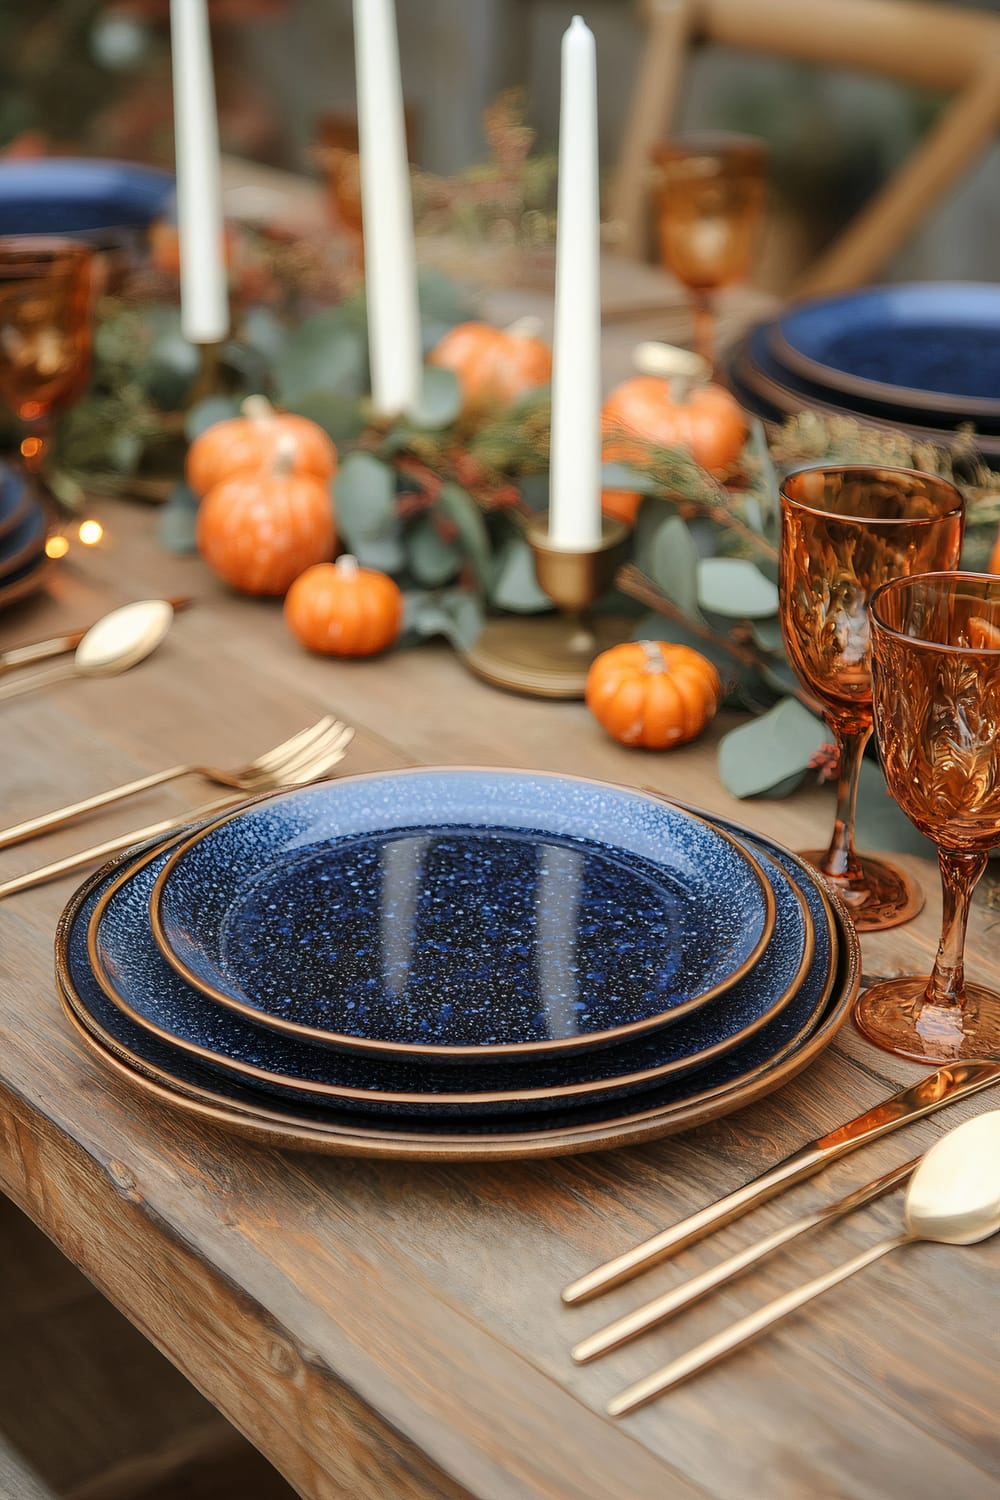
[{"x": 945, "y": 1086}]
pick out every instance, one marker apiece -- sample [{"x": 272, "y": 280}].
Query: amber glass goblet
[
  {"x": 45, "y": 331},
  {"x": 709, "y": 209},
  {"x": 844, "y": 532},
  {"x": 936, "y": 670}
]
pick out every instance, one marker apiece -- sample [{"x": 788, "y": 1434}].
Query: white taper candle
[
  {"x": 204, "y": 292},
  {"x": 387, "y": 212},
  {"x": 575, "y": 464}
]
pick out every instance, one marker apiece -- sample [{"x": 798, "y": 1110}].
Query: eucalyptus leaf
[
  {"x": 761, "y": 755},
  {"x": 623, "y": 477},
  {"x": 516, "y": 587},
  {"x": 125, "y": 451},
  {"x": 474, "y": 540},
  {"x": 251, "y": 368},
  {"x": 734, "y": 587},
  {"x": 453, "y": 614},
  {"x": 205, "y": 414},
  {"x": 653, "y": 511},
  {"x": 674, "y": 565},
  {"x": 264, "y": 332},
  {"x": 440, "y": 399},
  {"x": 432, "y": 560},
  {"x": 534, "y": 490},
  {"x": 339, "y": 416},
  {"x": 169, "y": 369},
  {"x": 767, "y": 636},
  {"x": 365, "y": 500},
  {"x": 322, "y": 354},
  {"x": 177, "y": 519},
  {"x": 442, "y": 300}
]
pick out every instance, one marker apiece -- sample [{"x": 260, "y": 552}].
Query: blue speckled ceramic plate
[
  {"x": 133, "y": 974},
  {"x": 15, "y": 500},
  {"x": 77, "y": 195},
  {"x": 747, "y": 1073},
  {"x": 462, "y": 914},
  {"x": 24, "y": 542},
  {"x": 933, "y": 346}
]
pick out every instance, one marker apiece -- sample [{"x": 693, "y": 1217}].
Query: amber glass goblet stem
[
  {"x": 960, "y": 872},
  {"x": 703, "y": 325},
  {"x": 841, "y": 859}
]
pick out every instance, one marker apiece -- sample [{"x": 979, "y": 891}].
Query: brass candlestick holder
[{"x": 548, "y": 656}]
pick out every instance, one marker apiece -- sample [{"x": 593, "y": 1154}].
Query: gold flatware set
[
  {"x": 953, "y": 1197},
  {"x": 306, "y": 757}
]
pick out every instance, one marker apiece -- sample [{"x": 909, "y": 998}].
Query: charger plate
[
  {"x": 740, "y": 1078},
  {"x": 134, "y": 976},
  {"x": 462, "y": 913},
  {"x": 934, "y": 346}
]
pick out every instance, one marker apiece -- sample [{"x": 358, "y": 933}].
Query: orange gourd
[
  {"x": 653, "y": 693},
  {"x": 704, "y": 419},
  {"x": 994, "y": 563},
  {"x": 342, "y": 609},
  {"x": 259, "y": 531},
  {"x": 494, "y": 365},
  {"x": 250, "y": 442}
]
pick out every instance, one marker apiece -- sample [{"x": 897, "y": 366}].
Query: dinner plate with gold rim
[
  {"x": 131, "y": 971},
  {"x": 742, "y": 1075},
  {"x": 462, "y": 914},
  {"x": 244, "y": 1112}
]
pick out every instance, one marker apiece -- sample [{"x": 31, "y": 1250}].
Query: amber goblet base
[
  {"x": 899, "y": 1016},
  {"x": 877, "y": 894}
]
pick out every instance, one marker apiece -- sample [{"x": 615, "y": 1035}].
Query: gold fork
[
  {"x": 312, "y": 767},
  {"x": 258, "y": 775}
]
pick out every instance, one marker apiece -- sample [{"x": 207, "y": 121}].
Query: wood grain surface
[{"x": 394, "y": 1331}]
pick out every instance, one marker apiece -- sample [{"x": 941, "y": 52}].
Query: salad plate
[
  {"x": 456, "y": 914},
  {"x": 134, "y": 976},
  {"x": 770, "y": 1058}
]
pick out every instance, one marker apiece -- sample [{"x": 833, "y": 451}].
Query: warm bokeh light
[
  {"x": 56, "y": 546},
  {"x": 31, "y": 447},
  {"x": 90, "y": 533}
]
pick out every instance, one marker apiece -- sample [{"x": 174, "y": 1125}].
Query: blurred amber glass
[
  {"x": 710, "y": 192},
  {"x": 45, "y": 330},
  {"x": 936, "y": 671},
  {"x": 845, "y": 531}
]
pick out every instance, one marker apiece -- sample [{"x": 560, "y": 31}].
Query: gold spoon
[
  {"x": 116, "y": 642},
  {"x": 953, "y": 1199}
]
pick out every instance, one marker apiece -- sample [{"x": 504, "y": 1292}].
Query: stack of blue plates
[
  {"x": 923, "y": 357},
  {"x": 457, "y": 964},
  {"x": 23, "y": 533}
]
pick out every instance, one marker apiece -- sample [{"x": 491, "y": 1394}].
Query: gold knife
[{"x": 948, "y": 1084}]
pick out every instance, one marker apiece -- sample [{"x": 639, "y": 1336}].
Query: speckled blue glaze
[
  {"x": 23, "y": 541},
  {"x": 149, "y": 1053},
  {"x": 11, "y": 498},
  {"x": 137, "y": 978},
  {"x": 461, "y": 909}
]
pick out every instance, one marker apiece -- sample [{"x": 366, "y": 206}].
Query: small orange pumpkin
[
  {"x": 495, "y": 365},
  {"x": 704, "y": 419},
  {"x": 259, "y": 531},
  {"x": 342, "y": 609},
  {"x": 249, "y": 442},
  {"x": 653, "y": 693},
  {"x": 994, "y": 562}
]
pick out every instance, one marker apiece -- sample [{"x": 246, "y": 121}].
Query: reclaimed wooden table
[{"x": 392, "y": 1330}]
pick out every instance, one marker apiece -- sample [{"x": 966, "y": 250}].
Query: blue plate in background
[
  {"x": 67, "y": 195},
  {"x": 927, "y": 346}
]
